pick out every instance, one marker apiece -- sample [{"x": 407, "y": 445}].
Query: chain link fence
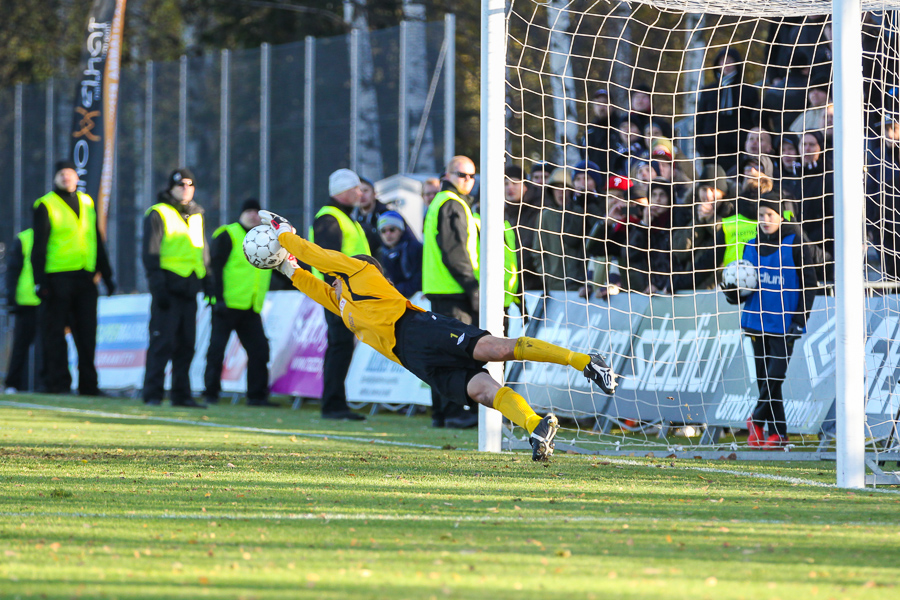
[{"x": 269, "y": 123}]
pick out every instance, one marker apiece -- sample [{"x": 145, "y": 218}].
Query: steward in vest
[
  {"x": 175, "y": 256},
  {"x": 714, "y": 244},
  {"x": 450, "y": 268},
  {"x": 67, "y": 254},
  {"x": 22, "y": 302},
  {"x": 335, "y": 229},
  {"x": 239, "y": 291},
  {"x": 774, "y": 316}
]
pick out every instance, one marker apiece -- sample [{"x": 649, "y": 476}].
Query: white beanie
[{"x": 341, "y": 181}]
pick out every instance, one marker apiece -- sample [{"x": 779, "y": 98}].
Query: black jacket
[
  {"x": 161, "y": 281},
  {"x": 15, "y": 262},
  {"x": 724, "y": 115},
  {"x": 402, "y": 264},
  {"x": 369, "y": 223},
  {"x": 452, "y": 234}
]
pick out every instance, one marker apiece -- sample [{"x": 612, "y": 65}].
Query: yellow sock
[
  {"x": 514, "y": 407},
  {"x": 540, "y": 351}
]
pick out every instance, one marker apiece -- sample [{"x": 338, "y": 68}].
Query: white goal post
[{"x": 506, "y": 137}]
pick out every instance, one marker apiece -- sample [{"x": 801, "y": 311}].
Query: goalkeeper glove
[
  {"x": 277, "y": 222},
  {"x": 289, "y": 265}
]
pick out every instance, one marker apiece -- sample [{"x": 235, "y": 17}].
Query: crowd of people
[{"x": 638, "y": 213}]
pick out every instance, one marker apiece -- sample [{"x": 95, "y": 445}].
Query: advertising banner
[
  {"x": 569, "y": 321},
  {"x": 298, "y": 337},
  {"x": 96, "y": 98}
]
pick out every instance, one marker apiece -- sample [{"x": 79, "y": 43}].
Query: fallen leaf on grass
[{"x": 231, "y": 465}]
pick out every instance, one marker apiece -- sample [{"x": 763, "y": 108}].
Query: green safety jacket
[
  {"x": 181, "y": 249},
  {"x": 353, "y": 238},
  {"x": 510, "y": 265},
  {"x": 25, "y": 295},
  {"x": 243, "y": 285},
  {"x": 738, "y": 230},
  {"x": 436, "y": 277},
  {"x": 72, "y": 245}
]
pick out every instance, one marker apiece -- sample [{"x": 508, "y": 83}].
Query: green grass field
[{"x": 160, "y": 503}]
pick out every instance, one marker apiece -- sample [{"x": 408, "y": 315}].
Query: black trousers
[
  {"x": 249, "y": 327},
  {"x": 173, "y": 331},
  {"x": 459, "y": 308},
  {"x": 25, "y": 331},
  {"x": 338, "y": 355},
  {"x": 72, "y": 302},
  {"x": 773, "y": 352}
]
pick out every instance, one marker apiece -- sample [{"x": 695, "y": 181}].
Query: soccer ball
[
  {"x": 262, "y": 249},
  {"x": 740, "y": 275}
]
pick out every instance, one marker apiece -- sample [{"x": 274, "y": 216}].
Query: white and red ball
[{"x": 262, "y": 249}]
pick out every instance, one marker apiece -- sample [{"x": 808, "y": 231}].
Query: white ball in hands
[
  {"x": 740, "y": 275},
  {"x": 262, "y": 249}
]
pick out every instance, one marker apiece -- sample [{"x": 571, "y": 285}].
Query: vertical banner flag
[{"x": 96, "y": 98}]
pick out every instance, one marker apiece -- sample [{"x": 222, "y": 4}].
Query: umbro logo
[{"x": 460, "y": 340}]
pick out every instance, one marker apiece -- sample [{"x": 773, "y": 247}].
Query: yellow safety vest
[
  {"x": 353, "y": 238},
  {"x": 510, "y": 262},
  {"x": 738, "y": 230},
  {"x": 243, "y": 285},
  {"x": 511, "y": 265},
  {"x": 181, "y": 250},
  {"x": 436, "y": 278},
  {"x": 25, "y": 295},
  {"x": 72, "y": 245}
]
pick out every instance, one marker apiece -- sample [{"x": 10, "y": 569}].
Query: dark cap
[
  {"x": 250, "y": 204},
  {"x": 63, "y": 164},
  {"x": 367, "y": 181},
  {"x": 601, "y": 92},
  {"x": 178, "y": 175},
  {"x": 775, "y": 203},
  {"x": 542, "y": 166}
]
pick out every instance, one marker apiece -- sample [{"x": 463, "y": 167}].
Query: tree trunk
[
  {"x": 368, "y": 151},
  {"x": 565, "y": 110},
  {"x": 417, "y": 89}
]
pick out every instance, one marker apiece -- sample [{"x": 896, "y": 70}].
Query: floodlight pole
[
  {"x": 493, "y": 150},
  {"x": 850, "y": 321}
]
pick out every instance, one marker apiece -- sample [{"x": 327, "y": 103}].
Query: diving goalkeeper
[{"x": 443, "y": 352}]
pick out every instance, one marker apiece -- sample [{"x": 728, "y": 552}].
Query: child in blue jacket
[{"x": 774, "y": 316}]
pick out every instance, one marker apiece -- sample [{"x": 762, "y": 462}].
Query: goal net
[{"x": 653, "y": 137}]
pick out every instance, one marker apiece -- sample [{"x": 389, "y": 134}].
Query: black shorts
[{"x": 438, "y": 350}]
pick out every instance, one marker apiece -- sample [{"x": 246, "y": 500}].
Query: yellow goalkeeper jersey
[{"x": 369, "y": 306}]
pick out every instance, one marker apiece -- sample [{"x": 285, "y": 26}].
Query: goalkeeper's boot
[
  {"x": 600, "y": 373},
  {"x": 542, "y": 438},
  {"x": 757, "y": 435}
]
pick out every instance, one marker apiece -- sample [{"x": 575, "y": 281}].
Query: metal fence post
[
  {"x": 224, "y": 137},
  {"x": 18, "y": 212},
  {"x": 309, "y": 132},
  {"x": 147, "y": 164},
  {"x": 264, "y": 112},
  {"x": 182, "y": 112},
  {"x": 354, "y": 99},
  {"x": 50, "y": 124},
  {"x": 402, "y": 110},
  {"x": 450, "y": 88}
]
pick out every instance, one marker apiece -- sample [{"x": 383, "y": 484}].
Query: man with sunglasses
[
  {"x": 176, "y": 257},
  {"x": 450, "y": 268}
]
